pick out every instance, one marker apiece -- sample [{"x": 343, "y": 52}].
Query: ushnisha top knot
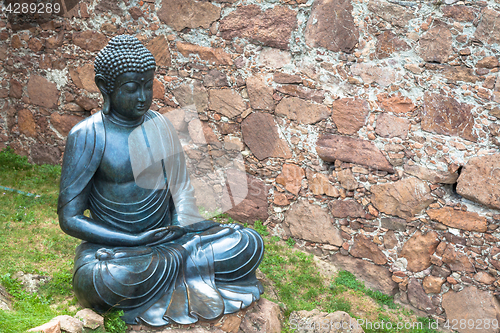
[{"x": 124, "y": 53}]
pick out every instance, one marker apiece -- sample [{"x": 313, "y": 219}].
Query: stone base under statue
[{"x": 262, "y": 316}]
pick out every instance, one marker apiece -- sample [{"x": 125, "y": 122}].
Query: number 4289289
[{"x": 32, "y": 8}]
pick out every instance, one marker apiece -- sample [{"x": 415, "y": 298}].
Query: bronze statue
[{"x": 145, "y": 249}]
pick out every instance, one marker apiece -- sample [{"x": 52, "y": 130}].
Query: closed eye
[{"x": 130, "y": 86}]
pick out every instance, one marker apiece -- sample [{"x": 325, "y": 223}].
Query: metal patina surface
[{"x": 145, "y": 248}]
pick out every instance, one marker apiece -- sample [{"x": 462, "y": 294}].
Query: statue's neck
[{"x": 125, "y": 122}]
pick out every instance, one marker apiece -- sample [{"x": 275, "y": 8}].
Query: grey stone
[
  {"x": 313, "y": 223},
  {"x": 393, "y": 223},
  {"x": 418, "y": 298}
]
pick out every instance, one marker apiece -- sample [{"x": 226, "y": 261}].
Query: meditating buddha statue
[{"x": 145, "y": 248}]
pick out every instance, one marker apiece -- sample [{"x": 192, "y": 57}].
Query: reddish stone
[
  {"x": 433, "y": 176},
  {"x": 176, "y": 117},
  {"x": 159, "y": 47},
  {"x": 106, "y": 7},
  {"x": 135, "y": 12},
  {"x": 254, "y": 205},
  {"x": 56, "y": 41},
  {"x": 404, "y": 198},
  {"x": 468, "y": 305},
  {"x": 457, "y": 261},
  {"x": 418, "y": 298},
  {"x": 3, "y": 52},
  {"x": 485, "y": 278},
  {"x": 264, "y": 316},
  {"x": 86, "y": 103},
  {"x": 90, "y": 319},
  {"x": 54, "y": 326},
  {"x": 389, "y": 126},
  {"x": 42, "y": 92},
  {"x": 364, "y": 248},
  {"x": 201, "y": 133},
  {"x": 458, "y": 219},
  {"x": 305, "y": 93},
  {"x": 332, "y": 147},
  {"x": 418, "y": 250},
  {"x": 291, "y": 178},
  {"x": 260, "y": 134},
  {"x": 215, "y": 56},
  {"x": 86, "y": 77},
  {"x": 454, "y": 73},
  {"x": 393, "y": 13},
  {"x": 272, "y": 27},
  {"x": 435, "y": 44},
  {"x": 393, "y": 223},
  {"x": 260, "y": 93},
  {"x": 45, "y": 154},
  {"x": 388, "y": 43},
  {"x": 374, "y": 276},
  {"x": 390, "y": 240},
  {"x": 64, "y": 123},
  {"x": 488, "y": 62},
  {"x": 280, "y": 199},
  {"x": 158, "y": 89},
  {"x": 15, "y": 42},
  {"x": 227, "y": 102},
  {"x": 432, "y": 284},
  {"x": 444, "y": 115},
  {"x": 26, "y": 123},
  {"x": 312, "y": 223},
  {"x": 460, "y": 13},
  {"x": 346, "y": 208},
  {"x": 35, "y": 44},
  {"x": 305, "y": 112},
  {"x": 488, "y": 30},
  {"x": 395, "y": 103},
  {"x": 286, "y": 78},
  {"x": 347, "y": 180},
  {"x": 16, "y": 89},
  {"x": 319, "y": 185},
  {"x": 192, "y": 96},
  {"x": 90, "y": 40},
  {"x": 336, "y": 33},
  {"x": 180, "y": 14},
  {"x": 479, "y": 180},
  {"x": 369, "y": 73},
  {"x": 215, "y": 78},
  {"x": 349, "y": 114}
]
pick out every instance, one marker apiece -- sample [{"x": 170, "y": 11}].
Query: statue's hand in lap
[{"x": 161, "y": 235}]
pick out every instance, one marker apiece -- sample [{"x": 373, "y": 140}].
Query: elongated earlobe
[
  {"x": 101, "y": 84},
  {"x": 106, "y": 104}
]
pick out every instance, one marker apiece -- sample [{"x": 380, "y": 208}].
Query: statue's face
[{"x": 133, "y": 94}]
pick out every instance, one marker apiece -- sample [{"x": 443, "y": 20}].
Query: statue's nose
[{"x": 142, "y": 95}]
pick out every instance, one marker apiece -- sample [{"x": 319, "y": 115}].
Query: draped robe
[{"x": 207, "y": 272}]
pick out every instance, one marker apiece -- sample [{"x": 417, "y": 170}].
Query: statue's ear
[{"x": 101, "y": 83}]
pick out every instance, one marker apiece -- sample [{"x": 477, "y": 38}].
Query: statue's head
[{"x": 124, "y": 74}]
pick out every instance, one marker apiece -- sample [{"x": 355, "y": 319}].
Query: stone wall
[{"x": 368, "y": 127}]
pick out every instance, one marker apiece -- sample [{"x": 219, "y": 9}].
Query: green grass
[
  {"x": 348, "y": 279},
  {"x": 299, "y": 286},
  {"x": 32, "y": 242}
]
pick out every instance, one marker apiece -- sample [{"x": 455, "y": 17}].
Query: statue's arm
[{"x": 76, "y": 224}]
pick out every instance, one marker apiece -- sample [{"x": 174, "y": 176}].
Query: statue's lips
[{"x": 141, "y": 108}]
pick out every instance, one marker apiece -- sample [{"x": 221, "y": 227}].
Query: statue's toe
[{"x": 104, "y": 254}]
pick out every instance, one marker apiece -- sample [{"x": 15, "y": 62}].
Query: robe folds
[{"x": 207, "y": 272}]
